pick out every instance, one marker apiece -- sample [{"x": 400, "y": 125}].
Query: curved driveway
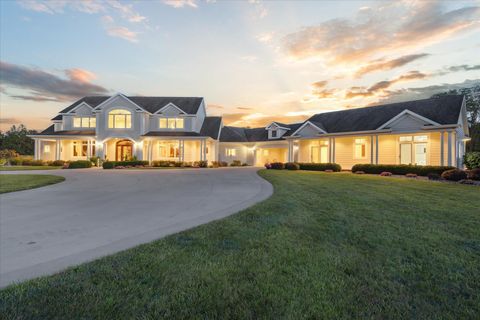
[{"x": 98, "y": 212}]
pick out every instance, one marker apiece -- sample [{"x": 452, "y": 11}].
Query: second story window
[
  {"x": 84, "y": 122},
  {"x": 274, "y": 133},
  {"x": 171, "y": 123},
  {"x": 119, "y": 119}
]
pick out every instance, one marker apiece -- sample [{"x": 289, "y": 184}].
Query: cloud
[
  {"x": 260, "y": 9},
  {"x": 249, "y": 58},
  {"x": 9, "y": 121},
  {"x": 383, "y": 65},
  {"x": 126, "y": 11},
  {"x": 380, "y": 87},
  {"x": 390, "y": 28},
  {"x": 265, "y": 37},
  {"x": 45, "y": 86},
  {"x": 181, "y": 3},
  {"x": 118, "y": 31}
]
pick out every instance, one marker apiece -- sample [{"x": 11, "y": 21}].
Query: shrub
[
  {"x": 474, "y": 174},
  {"x": 95, "y": 160},
  {"x": 16, "y": 161},
  {"x": 3, "y": 162},
  {"x": 433, "y": 176},
  {"x": 57, "y": 163},
  {"x": 244, "y": 164},
  {"x": 292, "y": 166},
  {"x": 236, "y": 163},
  {"x": 202, "y": 164},
  {"x": 223, "y": 164},
  {"x": 108, "y": 165},
  {"x": 454, "y": 175},
  {"x": 163, "y": 163},
  {"x": 277, "y": 165},
  {"x": 320, "y": 166},
  {"x": 8, "y": 154},
  {"x": 359, "y": 172},
  {"x": 80, "y": 164},
  {"x": 400, "y": 169},
  {"x": 31, "y": 162},
  {"x": 411, "y": 175},
  {"x": 268, "y": 166},
  {"x": 466, "y": 181},
  {"x": 386, "y": 174},
  {"x": 472, "y": 160}
]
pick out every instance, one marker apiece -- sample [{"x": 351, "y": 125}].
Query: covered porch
[
  {"x": 183, "y": 150},
  {"x": 64, "y": 148}
]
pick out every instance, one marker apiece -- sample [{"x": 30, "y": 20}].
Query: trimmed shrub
[
  {"x": 386, "y": 174},
  {"x": 8, "y": 154},
  {"x": 454, "y": 175},
  {"x": 80, "y": 164},
  {"x": 474, "y": 174},
  {"x": 163, "y": 163},
  {"x": 95, "y": 160},
  {"x": 268, "y": 166},
  {"x": 236, "y": 163},
  {"x": 57, "y": 163},
  {"x": 31, "y": 162},
  {"x": 108, "y": 165},
  {"x": 292, "y": 166},
  {"x": 472, "y": 160},
  {"x": 203, "y": 164},
  {"x": 244, "y": 164},
  {"x": 400, "y": 169},
  {"x": 277, "y": 165},
  {"x": 433, "y": 176},
  {"x": 359, "y": 172},
  {"x": 320, "y": 166}
]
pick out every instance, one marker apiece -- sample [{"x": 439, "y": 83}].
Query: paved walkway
[{"x": 98, "y": 212}]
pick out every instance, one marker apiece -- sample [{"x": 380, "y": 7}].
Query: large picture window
[
  {"x": 84, "y": 122},
  {"x": 169, "y": 151},
  {"x": 230, "y": 152},
  {"x": 171, "y": 123},
  {"x": 119, "y": 119}
]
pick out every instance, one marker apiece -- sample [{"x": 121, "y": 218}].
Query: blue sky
[{"x": 253, "y": 61}]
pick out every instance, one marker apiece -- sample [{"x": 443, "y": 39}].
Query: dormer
[{"x": 276, "y": 130}]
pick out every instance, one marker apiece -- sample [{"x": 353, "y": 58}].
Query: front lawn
[
  {"x": 22, "y": 168},
  {"x": 17, "y": 182},
  {"x": 324, "y": 246}
]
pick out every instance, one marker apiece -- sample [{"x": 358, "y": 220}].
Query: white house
[{"x": 423, "y": 132}]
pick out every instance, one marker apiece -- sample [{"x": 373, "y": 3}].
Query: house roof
[
  {"x": 236, "y": 134},
  {"x": 50, "y": 131},
  {"x": 443, "y": 110},
  {"x": 210, "y": 128},
  {"x": 188, "y": 105}
]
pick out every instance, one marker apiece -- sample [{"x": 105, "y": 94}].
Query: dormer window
[
  {"x": 274, "y": 133},
  {"x": 84, "y": 122},
  {"x": 171, "y": 123}
]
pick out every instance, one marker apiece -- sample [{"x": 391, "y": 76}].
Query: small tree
[{"x": 16, "y": 139}]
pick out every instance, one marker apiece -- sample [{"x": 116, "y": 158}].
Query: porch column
[
  {"x": 57, "y": 149},
  {"x": 442, "y": 153},
  {"x": 330, "y": 148},
  {"x": 181, "y": 145},
  {"x": 150, "y": 151},
  {"x": 89, "y": 150},
  {"x": 333, "y": 149},
  {"x": 105, "y": 155},
  {"x": 204, "y": 150},
  {"x": 376, "y": 149},
  {"x": 449, "y": 148},
  {"x": 290, "y": 150},
  {"x": 371, "y": 149},
  {"x": 35, "y": 150}
]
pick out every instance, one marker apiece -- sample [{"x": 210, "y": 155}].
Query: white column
[
  {"x": 150, "y": 151},
  {"x": 290, "y": 151},
  {"x": 442, "y": 146},
  {"x": 371, "y": 149},
  {"x": 57, "y": 149},
  {"x": 181, "y": 146},
  {"x": 330, "y": 150},
  {"x": 376, "y": 149},
  {"x": 449, "y": 148},
  {"x": 105, "y": 155},
  {"x": 204, "y": 150},
  {"x": 35, "y": 149},
  {"x": 333, "y": 149},
  {"x": 40, "y": 151}
]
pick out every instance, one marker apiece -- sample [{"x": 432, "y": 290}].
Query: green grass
[
  {"x": 324, "y": 246},
  {"x": 22, "y": 168},
  {"x": 17, "y": 182}
]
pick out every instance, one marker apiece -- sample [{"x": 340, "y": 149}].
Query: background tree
[
  {"x": 16, "y": 139},
  {"x": 472, "y": 101}
]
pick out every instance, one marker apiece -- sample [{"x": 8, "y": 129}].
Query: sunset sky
[{"x": 252, "y": 61}]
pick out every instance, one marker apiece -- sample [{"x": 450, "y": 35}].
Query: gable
[
  {"x": 83, "y": 110},
  {"x": 119, "y": 101},
  {"x": 407, "y": 122},
  {"x": 308, "y": 130},
  {"x": 170, "y": 110}
]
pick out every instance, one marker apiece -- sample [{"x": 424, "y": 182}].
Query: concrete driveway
[{"x": 98, "y": 212}]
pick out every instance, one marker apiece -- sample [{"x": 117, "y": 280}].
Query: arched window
[{"x": 119, "y": 119}]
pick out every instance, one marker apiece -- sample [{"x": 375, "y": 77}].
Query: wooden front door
[{"x": 124, "y": 150}]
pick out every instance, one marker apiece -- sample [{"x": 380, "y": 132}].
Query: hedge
[
  {"x": 292, "y": 166},
  {"x": 320, "y": 166},
  {"x": 80, "y": 164},
  {"x": 400, "y": 169},
  {"x": 113, "y": 164},
  {"x": 472, "y": 160},
  {"x": 454, "y": 175}
]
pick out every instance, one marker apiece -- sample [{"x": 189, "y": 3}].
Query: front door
[
  {"x": 315, "y": 154},
  {"x": 324, "y": 154},
  {"x": 124, "y": 150},
  {"x": 405, "y": 153},
  {"x": 421, "y": 154}
]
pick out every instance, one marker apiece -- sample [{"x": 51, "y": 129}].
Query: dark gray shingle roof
[
  {"x": 210, "y": 128},
  {"x": 51, "y": 131},
  {"x": 443, "y": 110},
  {"x": 189, "y": 105},
  {"x": 236, "y": 134}
]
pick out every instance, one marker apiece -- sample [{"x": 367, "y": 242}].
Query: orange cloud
[
  {"x": 80, "y": 75},
  {"x": 382, "y": 65}
]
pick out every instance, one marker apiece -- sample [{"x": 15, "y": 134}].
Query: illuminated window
[
  {"x": 169, "y": 150},
  {"x": 46, "y": 149},
  {"x": 84, "y": 122},
  {"x": 171, "y": 123},
  {"x": 406, "y": 138},
  {"x": 80, "y": 148},
  {"x": 420, "y": 138},
  {"x": 360, "y": 148},
  {"x": 230, "y": 152},
  {"x": 119, "y": 119}
]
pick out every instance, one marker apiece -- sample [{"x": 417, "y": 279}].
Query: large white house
[{"x": 423, "y": 132}]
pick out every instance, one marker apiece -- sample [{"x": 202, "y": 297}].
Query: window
[
  {"x": 230, "y": 152},
  {"x": 420, "y": 138},
  {"x": 84, "y": 122},
  {"x": 80, "y": 148},
  {"x": 169, "y": 150},
  {"x": 274, "y": 133},
  {"x": 171, "y": 123},
  {"x": 46, "y": 149},
  {"x": 405, "y": 138},
  {"x": 119, "y": 119},
  {"x": 360, "y": 148},
  {"x": 413, "y": 150}
]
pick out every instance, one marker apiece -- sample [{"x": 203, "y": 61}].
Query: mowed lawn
[
  {"x": 23, "y": 168},
  {"x": 324, "y": 246},
  {"x": 17, "y": 182}
]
